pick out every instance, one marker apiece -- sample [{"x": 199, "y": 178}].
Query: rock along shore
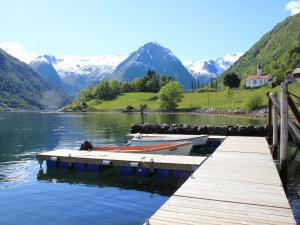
[{"x": 226, "y": 130}]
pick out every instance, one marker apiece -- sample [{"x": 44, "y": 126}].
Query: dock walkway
[{"x": 237, "y": 184}]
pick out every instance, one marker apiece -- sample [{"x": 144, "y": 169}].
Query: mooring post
[
  {"x": 275, "y": 131},
  {"x": 284, "y": 132},
  {"x": 142, "y": 116}
]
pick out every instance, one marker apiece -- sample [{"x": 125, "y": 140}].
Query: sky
[{"x": 191, "y": 29}]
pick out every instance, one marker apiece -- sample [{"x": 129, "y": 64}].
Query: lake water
[{"x": 58, "y": 197}]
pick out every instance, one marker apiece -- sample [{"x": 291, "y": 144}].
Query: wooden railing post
[
  {"x": 275, "y": 131},
  {"x": 269, "y": 119},
  {"x": 283, "y": 132}
]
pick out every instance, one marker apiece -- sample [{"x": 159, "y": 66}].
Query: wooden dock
[
  {"x": 151, "y": 161},
  {"x": 237, "y": 184}
]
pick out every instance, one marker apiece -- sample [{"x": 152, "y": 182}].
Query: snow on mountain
[
  {"x": 77, "y": 72},
  {"x": 211, "y": 68},
  {"x": 92, "y": 66}
]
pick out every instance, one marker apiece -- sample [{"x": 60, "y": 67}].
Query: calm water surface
[{"x": 59, "y": 197}]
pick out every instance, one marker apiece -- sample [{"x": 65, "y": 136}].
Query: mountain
[
  {"x": 43, "y": 66},
  {"x": 71, "y": 73},
  {"x": 278, "y": 51},
  {"x": 205, "y": 70},
  {"x": 21, "y": 87},
  {"x": 152, "y": 56},
  {"x": 75, "y": 73}
]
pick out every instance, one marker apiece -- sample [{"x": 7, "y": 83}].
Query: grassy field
[{"x": 216, "y": 100}]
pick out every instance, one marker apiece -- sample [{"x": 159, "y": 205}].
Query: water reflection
[{"x": 112, "y": 178}]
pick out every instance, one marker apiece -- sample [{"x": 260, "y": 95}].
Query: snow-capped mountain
[
  {"x": 71, "y": 73},
  {"x": 93, "y": 66},
  {"x": 205, "y": 70},
  {"x": 153, "y": 56},
  {"x": 77, "y": 72}
]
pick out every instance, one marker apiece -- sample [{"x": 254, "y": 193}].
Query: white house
[
  {"x": 259, "y": 79},
  {"x": 296, "y": 75}
]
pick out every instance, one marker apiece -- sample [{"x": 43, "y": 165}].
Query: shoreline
[{"x": 261, "y": 114}]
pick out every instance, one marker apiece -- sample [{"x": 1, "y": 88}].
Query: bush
[
  {"x": 129, "y": 107},
  {"x": 153, "y": 98},
  {"x": 143, "y": 105},
  {"x": 170, "y": 95},
  {"x": 79, "y": 105},
  {"x": 207, "y": 90},
  {"x": 254, "y": 102}
]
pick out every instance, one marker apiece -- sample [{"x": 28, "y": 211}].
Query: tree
[
  {"x": 126, "y": 87},
  {"x": 87, "y": 94},
  {"x": 231, "y": 80},
  {"x": 170, "y": 95},
  {"x": 103, "y": 91},
  {"x": 164, "y": 80},
  {"x": 115, "y": 88}
]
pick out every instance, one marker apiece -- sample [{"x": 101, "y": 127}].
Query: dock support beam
[{"x": 284, "y": 132}]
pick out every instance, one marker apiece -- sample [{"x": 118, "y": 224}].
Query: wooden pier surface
[
  {"x": 237, "y": 184},
  {"x": 171, "y": 162}
]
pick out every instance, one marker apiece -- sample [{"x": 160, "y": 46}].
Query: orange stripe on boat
[{"x": 141, "y": 148}]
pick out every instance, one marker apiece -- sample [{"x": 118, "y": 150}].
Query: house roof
[
  {"x": 296, "y": 71},
  {"x": 258, "y": 77}
]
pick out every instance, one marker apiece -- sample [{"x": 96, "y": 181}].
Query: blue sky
[{"x": 192, "y": 29}]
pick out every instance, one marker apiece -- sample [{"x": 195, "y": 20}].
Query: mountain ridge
[
  {"x": 277, "y": 51},
  {"x": 152, "y": 56},
  {"x": 21, "y": 87}
]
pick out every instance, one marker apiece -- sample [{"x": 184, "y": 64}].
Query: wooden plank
[
  {"x": 155, "y": 161},
  {"x": 238, "y": 184},
  {"x": 223, "y": 212}
]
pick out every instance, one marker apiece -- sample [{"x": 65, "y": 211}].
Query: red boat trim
[{"x": 143, "y": 148}]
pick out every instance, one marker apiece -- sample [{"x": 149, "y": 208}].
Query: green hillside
[
  {"x": 22, "y": 88},
  {"x": 278, "y": 51},
  {"x": 216, "y": 100}
]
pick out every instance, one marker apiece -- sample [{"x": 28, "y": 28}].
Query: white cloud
[
  {"x": 293, "y": 6},
  {"x": 17, "y": 50}
]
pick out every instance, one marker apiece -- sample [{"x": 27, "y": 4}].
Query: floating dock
[
  {"x": 102, "y": 158},
  {"x": 237, "y": 184}
]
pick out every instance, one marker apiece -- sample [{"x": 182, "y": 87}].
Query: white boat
[
  {"x": 151, "y": 139},
  {"x": 178, "y": 148}
]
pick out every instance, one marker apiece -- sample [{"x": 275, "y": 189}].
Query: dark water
[{"x": 58, "y": 197}]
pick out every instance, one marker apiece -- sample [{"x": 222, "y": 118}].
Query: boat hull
[
  {"x": 180, "y": 148},
  {"x": 151, "y": 139}
]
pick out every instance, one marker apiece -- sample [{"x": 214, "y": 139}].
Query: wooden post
[
  {"x": 142, "y": 116},
  {"x": 269, "y": 119},
  {"x": 293, "y": 129},
  {"x": 284, "y": 132},
  {"x": 275, "y": 131}
]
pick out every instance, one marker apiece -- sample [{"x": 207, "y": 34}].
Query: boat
[
  {"x": 178, "y": 148},
  {"x": 149, "y": 139}
]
